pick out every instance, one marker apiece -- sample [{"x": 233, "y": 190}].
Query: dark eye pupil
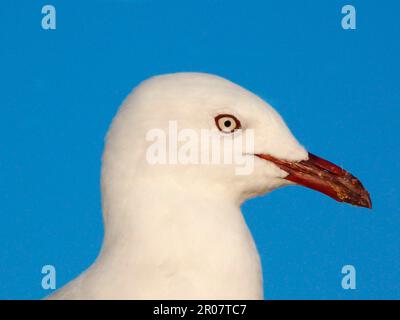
[{"x": 227, "y": 123}]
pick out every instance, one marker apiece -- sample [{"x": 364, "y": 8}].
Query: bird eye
[{"x": 227, "y": 123}]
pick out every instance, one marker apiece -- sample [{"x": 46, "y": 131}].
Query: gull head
[
  {"x": 202, "y": 133},
  {"x": 181, "y": 155}
]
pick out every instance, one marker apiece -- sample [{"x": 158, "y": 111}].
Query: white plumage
[{"x": 176, "y": 231}]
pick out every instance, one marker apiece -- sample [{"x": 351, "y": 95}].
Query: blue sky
[{"x": 338, "y": 91}]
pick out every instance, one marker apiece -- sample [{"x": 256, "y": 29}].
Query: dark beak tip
[
  {"x": 365, "y": 203},
  {"x": 368, "y": 202},
  {"x": 364, "y": 196},
  {"x": 362, "y": 201}
]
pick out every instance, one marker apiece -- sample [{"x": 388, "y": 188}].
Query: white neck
[{"x": 173, "y": 244}]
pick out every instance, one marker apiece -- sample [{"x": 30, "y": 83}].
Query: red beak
[{"x": 325, "y": 177}]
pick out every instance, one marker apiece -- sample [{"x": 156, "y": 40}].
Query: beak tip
[
  {"x": 363, "y": 200},
  {"x": 369, "y": 202}
]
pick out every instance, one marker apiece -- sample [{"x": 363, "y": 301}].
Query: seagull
[{"x": 176, "y": 231}]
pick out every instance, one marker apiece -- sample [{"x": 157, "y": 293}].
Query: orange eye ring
[{"x": 227, "y": 123}]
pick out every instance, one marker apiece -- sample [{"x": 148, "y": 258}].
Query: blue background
[{"x": 337, "y": 90}]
